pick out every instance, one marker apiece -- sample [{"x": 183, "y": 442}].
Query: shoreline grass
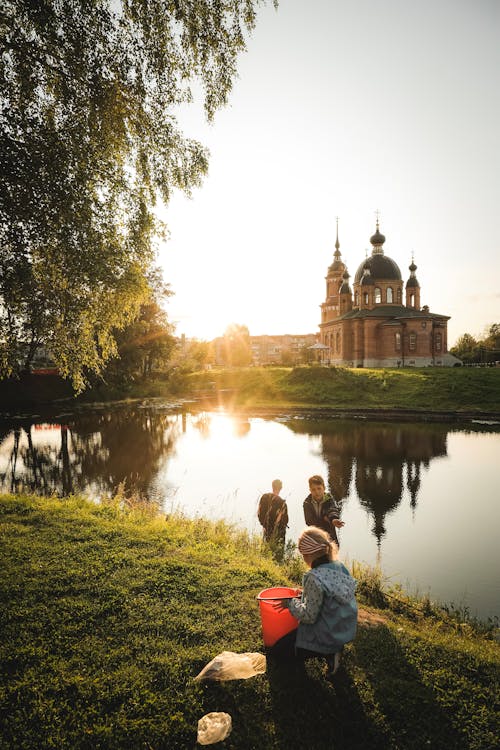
[
  {"x": 412, "y": 391},
  {"x": 108, "y": 612},
  {"x": 428, "y": 389}
]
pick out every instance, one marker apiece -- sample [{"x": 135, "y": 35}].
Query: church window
[
  {"x": 438, "y": 342},
  {"x": 356, "y": 299},
  {"x": 413, "y": 341},
  {"x": 337, "y": 342},
  {"x": 412, "y": 300},
  {"x": 398, "y": 296},
  {"x": 378, "y": 296},
  {"x": 389, "y": 294},
  {"x": 397, "y": 341},
  {"x": 366, "y": 298}
]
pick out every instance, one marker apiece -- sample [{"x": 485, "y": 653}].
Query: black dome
[
  {"x": 377, "y": 238},
  {"x": 382, "y": 268}
]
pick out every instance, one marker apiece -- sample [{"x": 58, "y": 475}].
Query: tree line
[{"x": 485, "y": 350}]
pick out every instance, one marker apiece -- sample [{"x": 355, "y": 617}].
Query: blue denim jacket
[{"x": 327, "y": 611}]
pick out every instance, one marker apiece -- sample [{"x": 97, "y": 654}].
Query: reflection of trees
[
  {"x": 97, "y": 450},
  {"x": 384, "y": 459}
]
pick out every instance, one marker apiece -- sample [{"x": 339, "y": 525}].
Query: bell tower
[
  {"x": 413, "y": 288},
  {"x": 330, "y": 308}
]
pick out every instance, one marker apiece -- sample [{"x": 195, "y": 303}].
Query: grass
[
  {"x": 423, "y": 390},
  {"x": 108, "y": 612},
  {"x": 428, "y": 389}
]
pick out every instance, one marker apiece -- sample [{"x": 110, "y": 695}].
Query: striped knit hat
[{"x": 309, "y": 544}]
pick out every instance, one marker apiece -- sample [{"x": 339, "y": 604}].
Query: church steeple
[
  {"x": 337, "y": 243},
  {"x": 330, "y": 308},
  {"x": 378, "y": 238},
  {"x": 412, "y": 287}
]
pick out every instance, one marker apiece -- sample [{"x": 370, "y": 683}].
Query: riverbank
[
  {"x": 438, "y": 394},
  {"x": 443, "y": 391},
  {"x": 109, "y": 611}
]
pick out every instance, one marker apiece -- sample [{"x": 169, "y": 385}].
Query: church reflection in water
[
  {"x": 97, "y": 452},
  {"x": 383, "y": 459}
]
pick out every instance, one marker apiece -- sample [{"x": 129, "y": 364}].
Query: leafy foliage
[
  {"x": 89, "y": 141},
  {"x": 484, "y": 350},
  {"x": 236, "y": 350}
]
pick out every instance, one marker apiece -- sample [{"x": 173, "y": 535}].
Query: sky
[{"x": 343, "y": 108}]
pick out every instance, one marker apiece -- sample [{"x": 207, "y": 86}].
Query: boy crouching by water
[{"x": 327, "y": 610}]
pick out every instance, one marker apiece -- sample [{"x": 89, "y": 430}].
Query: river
[{"x": 421, "y": 499}]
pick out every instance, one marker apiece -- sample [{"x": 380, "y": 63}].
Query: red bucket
[{"x": 275, "y": 624}]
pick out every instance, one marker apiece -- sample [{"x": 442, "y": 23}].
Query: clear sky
[{"x": 343, "y": 107}]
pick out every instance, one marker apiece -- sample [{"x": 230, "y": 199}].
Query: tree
[
  {"x": 491, "y": 339},
  {"x": 192, "y": 355},
  {"x": 466, "y": 349},
  {"x": 145, "y": 345},
  {"x": 89, "y": 142},
  {"x": 236, "y": 347}
]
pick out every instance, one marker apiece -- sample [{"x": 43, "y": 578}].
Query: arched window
[
  {"x": 366, "y": 298},
  {"x": 439, "y": 342},
  {"x": 413, "y": 341},
  {"x": 389, "y": 294},
  {"x": 412, "y": 300},
  {"x": 337, "y": 342},
  {"x": 378, "y": 296},
  {"x": 398, "y": 296},
  {"x": 397, "y": 341},
  {"x": 356, "y": 299}
]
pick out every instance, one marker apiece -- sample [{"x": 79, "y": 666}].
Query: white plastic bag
[
  {"x": 230, "y": 666},
  {"x": 213, "y": 727}
]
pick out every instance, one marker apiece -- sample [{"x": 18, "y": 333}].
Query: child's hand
[
  {"x": 280, "y": 605},
  {"x": 338, "y": 523}
]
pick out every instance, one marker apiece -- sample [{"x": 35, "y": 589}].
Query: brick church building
[{"x": 379, "y": 322}]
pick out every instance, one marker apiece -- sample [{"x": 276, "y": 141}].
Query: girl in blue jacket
[{"x": 327, "y": 610}]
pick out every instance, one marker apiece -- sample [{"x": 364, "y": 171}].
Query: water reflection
[
  {"x": 383, "y": 458},
  {"x": 411, "y": 482},
  {"x": 94, "y": 452}
]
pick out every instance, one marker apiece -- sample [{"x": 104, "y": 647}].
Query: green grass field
[
  {"x": 107, "y": 615},
  {"x": 429, "y": 389}
]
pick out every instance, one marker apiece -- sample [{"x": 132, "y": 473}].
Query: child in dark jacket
[
  {"x": 320, "y": 509},
  {"x": 327, "y": 610}
]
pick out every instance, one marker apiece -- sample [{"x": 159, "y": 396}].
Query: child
[
  {"x": 320, "y": 509},
  {"x": 327, "y": 610},
  {"x": 273, "y": 514}
]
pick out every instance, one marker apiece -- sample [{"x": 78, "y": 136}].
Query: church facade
[{"x": 379, "y": 321}]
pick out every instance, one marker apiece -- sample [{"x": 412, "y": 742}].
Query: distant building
[
  {"x": 287, "y": 349},
  {"x": 379, "y": 322}
]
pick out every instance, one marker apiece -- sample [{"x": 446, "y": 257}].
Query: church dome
[
  {"x": 382, "y": 268},
  {"x": 412, "y": 282},
  {"x": 377, "y": 238}
]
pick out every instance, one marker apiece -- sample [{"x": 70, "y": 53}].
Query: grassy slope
[
  {"x": 106, "y": 619},
  {"x": 430, "y": 389}
]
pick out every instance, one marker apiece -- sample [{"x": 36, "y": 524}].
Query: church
[{"x": 379, "y": 322}]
